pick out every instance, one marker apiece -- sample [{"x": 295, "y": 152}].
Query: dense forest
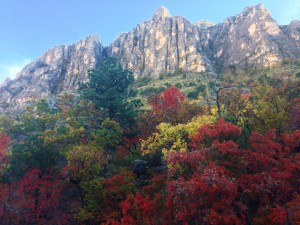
[{"x": 224, "y": 152}]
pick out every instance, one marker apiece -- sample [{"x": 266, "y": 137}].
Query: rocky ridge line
[{"x": 160, "y": 45}]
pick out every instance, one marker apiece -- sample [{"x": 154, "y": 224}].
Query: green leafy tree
[
  {"x": 78, "y": 120},
  {"x": 270, "y": 107},
  {"x": 29, "y": 146}
]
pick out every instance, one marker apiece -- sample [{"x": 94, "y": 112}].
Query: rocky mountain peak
[
  {"x": 161, "y": 45},
  {"x": 91, "y": 40},
  {"x": 255, "y": 12},
  {"x": 203, "y": 24},
  {"x": 257, "y": 9},
  {"x": 57, "y": 70},
  {"x": 251, "y": 37},
  {"x": 161, "y": 13},
  {"x": 259, "y": 16},
  {"x": 295, "y": 23}
]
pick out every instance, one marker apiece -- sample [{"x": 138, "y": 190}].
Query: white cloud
[
  {"x": 290, "y": 11},
  {"x": 11, "y": 69}
]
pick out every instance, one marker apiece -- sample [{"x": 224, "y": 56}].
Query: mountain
[
  {"x": 59, "y": 69},
  {"x": 252, "y": 37},
  {"x": 160, "y": 45}
]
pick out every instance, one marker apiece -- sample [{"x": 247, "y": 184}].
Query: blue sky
[{"x": 30, "y": 27}]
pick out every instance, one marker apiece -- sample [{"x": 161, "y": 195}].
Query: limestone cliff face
[
  {"x": 57, "y": 70},
  {"x": 252, "y": 37},
  {"x": 161, "y": 45},
  {"x": 165, "y": 43},
  {"x": 292, "y": 31}
]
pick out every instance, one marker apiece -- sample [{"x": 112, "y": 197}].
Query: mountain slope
[
  {"x": 252, "y": 37},
  {"x": 161, "y": 45},
  {"x": 57, "y": 70}
]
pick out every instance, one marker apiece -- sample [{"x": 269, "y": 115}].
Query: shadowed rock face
[
  {"x": 57, "y": 70},
  {"x": 292, "y": 31},
  {"x": 163, "y": 44}
]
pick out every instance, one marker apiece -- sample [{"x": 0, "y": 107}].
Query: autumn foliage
[
  {"x": 4, "y": 140},
  {"x": 217, "y": 182},
  {"x": 174, "y": 164},
  {"x": 168, "y": 106}
]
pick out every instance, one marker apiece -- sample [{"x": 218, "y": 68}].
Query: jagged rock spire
[
  {"x": 259, "y": 10},
  {"x": 161, "y": 13}
]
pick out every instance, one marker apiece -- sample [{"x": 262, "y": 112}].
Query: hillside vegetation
[
  {"x": 186, "y": 148},
  {"x": 189, "y": 82}
]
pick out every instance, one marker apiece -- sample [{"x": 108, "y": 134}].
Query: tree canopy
[
  {"x": 108, "y": 89},
  {"x": 233, "y": 160}
]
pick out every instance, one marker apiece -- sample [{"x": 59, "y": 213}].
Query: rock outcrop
[
  {"x": 252, "y": 37},
  {"x": 165, "y": 43},
  {"x": 160, "y": 45},
  {"x": 59, "y": 69},
  {"x": 292, "y": 31}
]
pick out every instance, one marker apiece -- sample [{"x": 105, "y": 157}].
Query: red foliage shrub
[
  {"x": 4, "y": 139},
  {"x": 170, "y": 99},
  {"x": 39, "y": 197},
  {"x": 217, "y": 182}
]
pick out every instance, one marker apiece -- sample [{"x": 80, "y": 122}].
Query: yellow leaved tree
[{"x": 169, "y": 138}]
